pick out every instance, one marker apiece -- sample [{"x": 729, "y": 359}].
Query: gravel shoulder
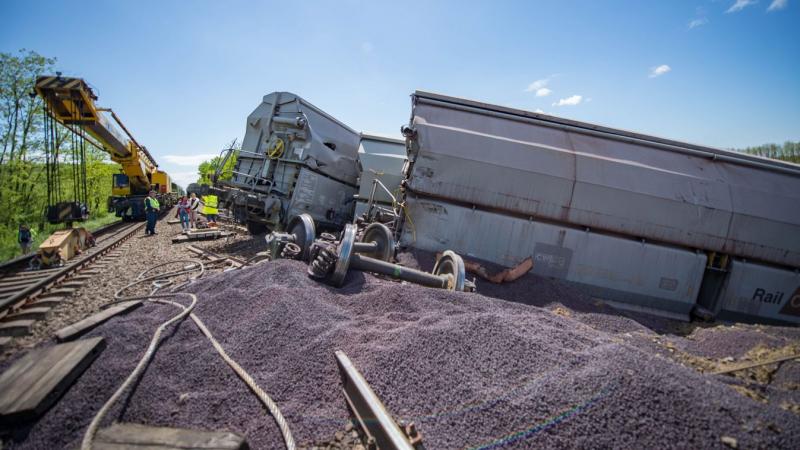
[
  {"x": 530, "y": 364},
  {"x": 471, "y": 371},
  {"x": 138, "y": 254}
]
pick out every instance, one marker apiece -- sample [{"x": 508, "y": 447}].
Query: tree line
[
  {"x": 208, "y": 168},
  {"x": 23, "y": 176},
  {"x": 789, "y": 151}
]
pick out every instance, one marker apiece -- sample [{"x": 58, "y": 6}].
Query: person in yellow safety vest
[
  {"x": 210, "y": 207},
  {"x": 151, "y": 207}
]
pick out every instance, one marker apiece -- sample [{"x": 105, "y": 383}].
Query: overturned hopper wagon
[
  {"x": 647, "y": 223},
  {"x": 295, "y": 159}
]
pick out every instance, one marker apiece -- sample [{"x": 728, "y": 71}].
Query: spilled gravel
[
  {"x": 137, "y": 254},
  {"x": 550, "y": 369}
]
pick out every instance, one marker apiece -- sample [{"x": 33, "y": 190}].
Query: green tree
[
  {"x": 207, "y": 169},
  {"x": 789, "y": 151},
  {"x": 99, "y": 173},
  {"x": 23, "y": 178},
  {"x": 21, "y": 123}
]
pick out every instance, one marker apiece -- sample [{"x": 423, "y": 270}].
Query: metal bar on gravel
[
  {"x": 372, "y": 416},
  {"x": 211, "y": 255}
]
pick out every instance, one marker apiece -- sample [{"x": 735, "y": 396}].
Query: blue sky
[{"x": 183, "y": 75}]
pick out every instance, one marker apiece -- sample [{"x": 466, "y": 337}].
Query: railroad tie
[
  {"x": 16, "y": 327},
  {"x": 78, "y": 328},
  {"x": 33, "y": 313},
  {"x": 72, "y": 284},
  {"x": 61, "y": 292},
  {"x": 128, "y": 435},
  {"x": 36, "y": 381},
  {"x": 17, "y": 283},
  {"x": 9, "y": 289},
  {"x": 49, "y": 301}
]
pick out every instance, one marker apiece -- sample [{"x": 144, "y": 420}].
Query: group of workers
[
  {"x": 189, "y": 207},
  {"x": 188, "y": 210}
]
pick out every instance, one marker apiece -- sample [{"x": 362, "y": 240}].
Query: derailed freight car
[
  {"x": 648, "y": 223},
  {"x": 295, "y": 159}
]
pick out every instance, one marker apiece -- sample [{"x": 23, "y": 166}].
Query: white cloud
[
  {"x": 777, "y": 5},
  {"x": 740, "y": 5},
  {"x": 367, "y": 47},
  {"x": 569, "y": 101},
  {"x": 538, "y": 111},
  {"x": 660, "y": 70},
  {"x": 184, "y": 179},
  {"x": 694, "y": 23},
  {"x": 539, "y": 84},
  {"x": 543, "y": 92},
  {"x": 189, "y": 160}
]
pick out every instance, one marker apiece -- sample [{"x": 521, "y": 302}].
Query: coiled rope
[{"x": 159, "y": 282}]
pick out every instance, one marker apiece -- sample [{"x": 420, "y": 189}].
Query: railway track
[
  {"x": 208, "y": 256},
  {"x": 22, "y": 263},
  {"x": 28, "y": 295}
]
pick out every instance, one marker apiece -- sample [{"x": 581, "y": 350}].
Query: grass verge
[{"x": 9, "y": 248}]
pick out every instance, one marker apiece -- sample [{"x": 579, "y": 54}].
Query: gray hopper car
[
  {"x": 648, "y": 223},
  {"x": 379, "y": 158},
  {"x": 295, "y": 159}
]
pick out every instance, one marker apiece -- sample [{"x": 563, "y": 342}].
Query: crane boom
[{"x": 72, "y": 102}]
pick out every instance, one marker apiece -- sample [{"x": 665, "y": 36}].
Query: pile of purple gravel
[{"x": 469, "y": 370}]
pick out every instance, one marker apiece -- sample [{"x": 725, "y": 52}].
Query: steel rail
[
  {"x": 211, "y": 255},
  {"x": 21, "y": 262},
  {"x": 41, "y": 285}
]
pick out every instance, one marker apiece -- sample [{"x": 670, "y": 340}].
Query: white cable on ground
[
  {"x": 251, "y": 383},
  {"x": 186, "y": 310},
  {"x": 86, "y": 444}
]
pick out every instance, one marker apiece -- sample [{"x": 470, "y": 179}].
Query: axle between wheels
[{"x": 373, "y": 254}]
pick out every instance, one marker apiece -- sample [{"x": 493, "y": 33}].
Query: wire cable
[
  {"x": 159, "y": 282},
  {"x": 86, "y": 444}
]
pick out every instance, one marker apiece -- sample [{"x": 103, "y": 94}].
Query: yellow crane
[{"x": 71, "y": 102}]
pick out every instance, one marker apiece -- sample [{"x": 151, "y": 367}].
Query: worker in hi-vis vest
[
  {"x": 151, "y": 208},
  {"x": 210, "y": 207}
]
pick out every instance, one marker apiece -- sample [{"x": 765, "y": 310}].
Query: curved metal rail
[
  {"x": 22, "y": 286},
  {"x": 21, "y": 263}
]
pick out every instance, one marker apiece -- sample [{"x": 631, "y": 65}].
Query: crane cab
[{"x": 121, "y": 185}]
